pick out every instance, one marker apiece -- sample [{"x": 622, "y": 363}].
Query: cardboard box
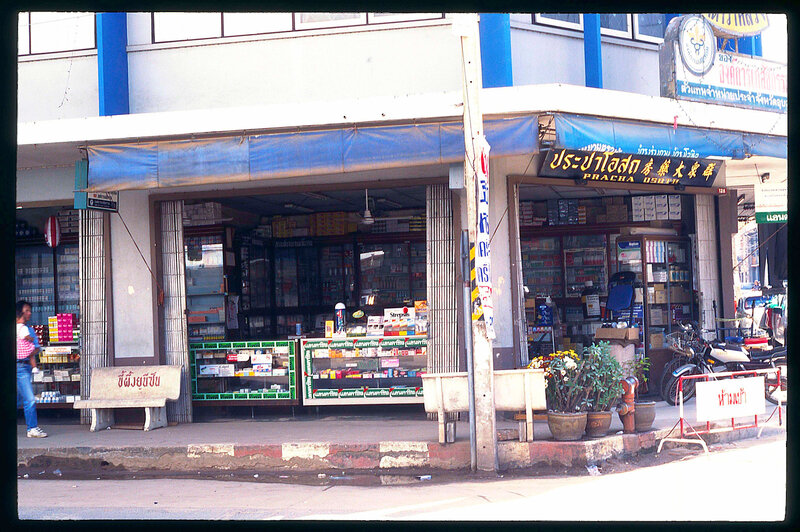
[
  {"x": 660, "y": 297},
  {"x": 657, "y": 340},
  {"x": 610, "y": 333}
]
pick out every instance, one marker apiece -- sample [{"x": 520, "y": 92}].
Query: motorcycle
[{"x": 709, "y": 357}]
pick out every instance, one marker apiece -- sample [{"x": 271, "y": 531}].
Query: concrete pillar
[
  {"x": 112, "y": 63},
  {"x": 593, "y": 58}
]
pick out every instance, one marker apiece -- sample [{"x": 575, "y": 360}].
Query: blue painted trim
[
  {"x": 750, "y": 45},
  {"x": 495, "y": 36},
  {"x": 112, "y": 63},
  {"x": 592, "y": 55}
]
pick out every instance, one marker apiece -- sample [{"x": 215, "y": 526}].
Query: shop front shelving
[
  {"x": 363, "y": 370},
  {"x": 247, "y": 372}
]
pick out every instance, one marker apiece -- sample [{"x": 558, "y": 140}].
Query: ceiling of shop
[
  {"x": 540, "y": 192},
  {"x": 381, "y": 200}
]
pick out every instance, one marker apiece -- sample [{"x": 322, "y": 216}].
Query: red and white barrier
[{"x": 726, "y": 395}]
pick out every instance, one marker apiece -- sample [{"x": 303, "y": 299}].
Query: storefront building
[{"x": 239, "y": 230}]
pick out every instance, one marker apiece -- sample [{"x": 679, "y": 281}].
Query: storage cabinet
[
  {"x": 363, "y": 370},
  {"x": 252, "y": 372}
]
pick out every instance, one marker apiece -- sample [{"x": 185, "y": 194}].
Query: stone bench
[
  {"x": 514, "y": 390},
  {"x": 148, "y": 387}
]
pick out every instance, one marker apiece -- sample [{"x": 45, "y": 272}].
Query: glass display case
[
  {"x": 337, "y": 275},
  {"x": 251, "y": 372},
  {"x": 35, "y": 281},
  {"x": 541, "y": 267},
  {"x": 205, "y": 287},
  {"x": 419, "y": 274},
  {"x": 363, "y": 370},
  {"x": 385, "y": 274},
  {"x": 663, "y": 265},
  {"x": 585, "y": 260}
]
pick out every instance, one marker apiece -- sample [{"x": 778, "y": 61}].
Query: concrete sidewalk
[{"x": 310, "y": 442}]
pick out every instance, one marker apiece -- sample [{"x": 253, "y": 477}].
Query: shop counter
[
  {"x": 363, "y": 370},
  {"x": 244, "y": 372}
]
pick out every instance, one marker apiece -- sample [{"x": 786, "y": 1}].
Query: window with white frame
[
  {"x": 649, "y": 27},
  {"x": 51, "y": 32},
  {"x": 168, "y": 27},
  {"x": 304, "y": 21},
  {"x": 381, "y": 18},
  {"x": 571, "y": 21},
  {"x": 254, "y": 23}
]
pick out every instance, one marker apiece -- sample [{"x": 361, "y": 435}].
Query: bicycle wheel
[
  {"x": 669, "y": 367},
  {"x": 773, "y": 391}
]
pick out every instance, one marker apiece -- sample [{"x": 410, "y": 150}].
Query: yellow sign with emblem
[{"x": 737, "y": 24}]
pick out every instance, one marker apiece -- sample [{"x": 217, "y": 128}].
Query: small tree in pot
[
  {"x": 604, "y": 374},
  {"x": 644, "y": 411}
]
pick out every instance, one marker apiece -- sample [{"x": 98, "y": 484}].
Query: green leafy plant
[
  {"x": 604, "y": 374},
  {"x": 566, "y": 381},
  {"x": 638, "y": 367}
]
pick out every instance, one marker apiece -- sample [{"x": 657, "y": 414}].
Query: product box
[
  {"x": 657, "y": 316},
  {"x": 661, "y": 201},
  {"x": 660, "y": 297},
  {"x": 657, "y": 340},
  {"x": 611, "y": 333},
  {"x": 226, "y": 370},
  {"x": 209, "y": 369}
]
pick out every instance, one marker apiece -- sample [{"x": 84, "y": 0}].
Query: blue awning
[
  {"x": 580, "y": 132},
  {"x": 259, "y": 157}
]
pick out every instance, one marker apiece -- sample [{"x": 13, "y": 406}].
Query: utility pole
[{"x": 482, "y": 327}]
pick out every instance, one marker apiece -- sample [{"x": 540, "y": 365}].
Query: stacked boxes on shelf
[
  {"x": 63, "y": 328},
  {"x": 330, "y": 223},
  {"x": 42, "y": 334},
  {"x": 417, "y": 223},
  {"x": 208, "y": 213},
  {"x": 68, "y": 221},
  {"x": 674, "y": 207}
]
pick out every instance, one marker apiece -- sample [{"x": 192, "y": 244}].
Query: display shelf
[
  {"x": 214, "y": 368},
  {"x": 380, "y": 354}
]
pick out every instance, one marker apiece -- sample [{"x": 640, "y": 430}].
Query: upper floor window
[
  {"x": 170, "y": 27},
  {"x": 48, "y": 32},
  {"x": 642, "y": 27}
]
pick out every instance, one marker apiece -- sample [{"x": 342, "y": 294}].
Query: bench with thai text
[{"x": 148, "y": 387}]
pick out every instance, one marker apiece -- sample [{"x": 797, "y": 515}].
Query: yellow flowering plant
[{"x": 566, "y": 381}]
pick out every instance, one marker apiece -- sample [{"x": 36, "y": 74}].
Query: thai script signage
[
  {"x": 730, "y": 398},
  {"x": 609, "y": 166},
  {"x": 145, "y": 380},
  {"x": 771, "y": 202},
  {"x": 737, "y": 24},
  {"x": 693, "y": 69},
  {"x": 483, "y": 273}
]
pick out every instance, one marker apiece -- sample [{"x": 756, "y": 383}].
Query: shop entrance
[
  {"x": 573, "y": 239},
  {"x": 47, "y": 276},
  {"x": 307, "y": 297}
]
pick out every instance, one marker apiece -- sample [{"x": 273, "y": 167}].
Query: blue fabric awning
[
  {"x": 580, "y": 132},
  {"x": 259, "y": 157}
]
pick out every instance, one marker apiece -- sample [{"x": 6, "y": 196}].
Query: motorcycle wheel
[
  {"x": 671, "y": 395},
  {"x": 669, "y": 367},
  {"x": 773, "y": 392}
]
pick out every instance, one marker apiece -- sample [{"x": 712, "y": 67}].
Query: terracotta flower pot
[
  {"x": 566, "y": 427},
  {"x": 644, "y": 414},
  {"x": 597, "y": 424}
]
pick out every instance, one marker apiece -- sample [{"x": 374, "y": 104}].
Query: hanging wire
[
  {"x": 761, "y": 245},
  {"x": 158, "y": 285}
]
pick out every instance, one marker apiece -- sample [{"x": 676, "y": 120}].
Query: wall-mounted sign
[
  {"x": 771, "y": 202},
  {"x": 693, "y": 69},
  {"x": 483, "y": 273},
  {"x": 608, "y": 166},
  {"x": 737, "y": 24},
  {"x": 729, "y": 398}
]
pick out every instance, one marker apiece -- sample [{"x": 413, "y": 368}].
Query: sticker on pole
[
  {"x": 730, "y": 398},
  {"x": 483, "y": 273}
]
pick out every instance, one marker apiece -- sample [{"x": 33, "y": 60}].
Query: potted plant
[
  {"x": 567, "y": 393},
  {"x": 644, "y": 412},
  {"x": 604, "y": 374}
]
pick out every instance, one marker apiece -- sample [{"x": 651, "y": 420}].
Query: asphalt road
[{"x": 744, "y": 480}]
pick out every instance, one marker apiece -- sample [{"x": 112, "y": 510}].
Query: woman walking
[{"x": 26, "y": 362}]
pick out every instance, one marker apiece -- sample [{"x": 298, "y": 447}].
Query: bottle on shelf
[{"x": 590, "y": 301}]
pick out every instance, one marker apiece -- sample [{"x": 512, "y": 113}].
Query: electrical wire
[
  {"x": 761, "y": 245},
  {"x": 158, "y": 285}
]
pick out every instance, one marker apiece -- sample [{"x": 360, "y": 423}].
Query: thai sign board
[
  {"x": 693, "y": 69},
  {"x": 771, "y": 202},
  {"x": 730, "y": 398},
  {"x": 737, "y": 24},
  {"x": 608, "y": 166}
]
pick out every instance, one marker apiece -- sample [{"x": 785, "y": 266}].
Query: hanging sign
[
  {"x": 483, "y": 274},
  {"x": 52, "y": 232},
  {"x": 737, "y": 24},
  {"x": 771, "y": 202},
  {"x": 608, "y": 166},
  {"x": 693, "y": 69}
]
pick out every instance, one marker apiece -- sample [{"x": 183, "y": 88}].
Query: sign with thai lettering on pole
[
  {"x": 729, "y": 398},
  {"x": 771, "y": 202},
  {"x": 737, "y": 24},
  {"x": 608, "y": 166},
  {"x": 483, "y": 273},
  {"x": 693, "y": 69}
]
